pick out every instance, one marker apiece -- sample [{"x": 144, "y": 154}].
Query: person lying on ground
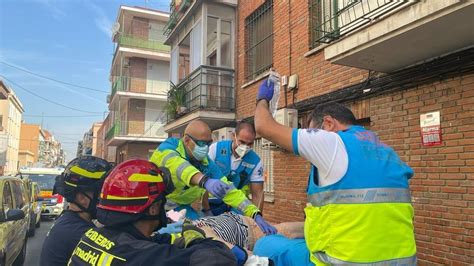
[{"x": 243, "y": 231}]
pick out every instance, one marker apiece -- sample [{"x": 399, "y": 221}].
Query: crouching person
[{"x": 131, "y": 208}]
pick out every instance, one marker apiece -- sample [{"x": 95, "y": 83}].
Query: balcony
[
  {"x": 208, "y": 95},
  {"x": 147, "y": 44},
  {"x": 145, "y": 131},
  {"x": 139, "y": 88},
  {"x": 177, "y": 12},
  {"x": 390, "y": 35}
]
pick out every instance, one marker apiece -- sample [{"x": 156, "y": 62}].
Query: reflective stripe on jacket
[{"x": 172, "y": 154}]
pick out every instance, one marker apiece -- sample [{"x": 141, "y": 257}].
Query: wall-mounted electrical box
[
  {"x": 293, "y": 82},
  {"x": 284, "y": 80}
]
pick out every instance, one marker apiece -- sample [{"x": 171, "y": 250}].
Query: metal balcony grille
[
  {"x": 210, "y": 88},
  {"x": 259, "y": 40},
  {"x": 332, "y": 19}
]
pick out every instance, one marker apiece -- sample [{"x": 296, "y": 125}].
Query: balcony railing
[
  {"x": 177, "y": 12},
  {"x": 147, "y": 44},
  {"x": 113, "y": 131},
  {"x": 209, "y": 87},
  {"x": 331, "y": 19},
  {"x": 138, "y": 129},
  {"x": 139, "y": 85}
]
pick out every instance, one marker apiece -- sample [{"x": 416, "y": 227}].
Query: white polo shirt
[
  {"x": 257, "y": 174},
  {"x": 323, "y": 149}
]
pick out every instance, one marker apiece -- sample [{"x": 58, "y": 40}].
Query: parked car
[
  {"x": 52, "y": 204},
  {"x": 35, "y": 205},
  {"x": 14, "y": 221}
]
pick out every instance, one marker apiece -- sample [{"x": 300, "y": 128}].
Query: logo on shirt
[
  {"x": 260, "y": 171},
  {"x": 312, "y": 130},
  {"x": 224, "y": 152}
]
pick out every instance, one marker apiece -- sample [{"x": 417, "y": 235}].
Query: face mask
[
  {"x": 241, "y": 150},
  {"x": 199, "y": 153}
]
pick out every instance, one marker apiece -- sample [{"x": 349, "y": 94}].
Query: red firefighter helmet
[{"x": 133, "y": 186}]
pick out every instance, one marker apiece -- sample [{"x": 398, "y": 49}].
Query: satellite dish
[{"x": 115, "y": 28}]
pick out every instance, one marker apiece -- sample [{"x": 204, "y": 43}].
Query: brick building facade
[
  {"x": 139, "y": 77},
  {"x": 389, "y": 104}
]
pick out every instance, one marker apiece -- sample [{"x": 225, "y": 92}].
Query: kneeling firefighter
[{"x": 131, "y": 208}]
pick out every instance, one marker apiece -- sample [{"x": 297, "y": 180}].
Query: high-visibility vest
[
  {"x": 172, "y": 155},
  {"x": 240, "y": 176},
  {"x": 367, "y": 216}
]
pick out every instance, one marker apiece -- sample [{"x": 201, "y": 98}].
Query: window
[
  {"x": 266, "y": 155},
  {"x": 259, "y": 40},
  {"x": 7, "y": 200},
  {"x": 19, "y": 194},
  {"x": 219, "y": 42}
]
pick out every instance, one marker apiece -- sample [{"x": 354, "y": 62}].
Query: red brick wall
[
  {"x": 140, "y": 28},
  {"x": 316, "y": 76},
  {"x": 136, "y": 117},
  {"x": 444, "y": 175},
  {"x": 137, "y": 150},
  {"x": 443, "y": 185},
  {"x": 138, "y": 69}
]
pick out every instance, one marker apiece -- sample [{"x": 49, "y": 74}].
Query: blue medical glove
[
  {"x": 267, "y": 228},
  {"x": 172, "y": 228},
  {"x": 265, "y": 91},
  {"x": 216, "y": 187}
]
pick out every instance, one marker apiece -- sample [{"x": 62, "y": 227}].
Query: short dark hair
[
  {"x": 335, "y": 110},
  {"x": 244, "y": 124}
]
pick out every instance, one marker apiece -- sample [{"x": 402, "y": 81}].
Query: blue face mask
[{"x": 200, "y": 152}]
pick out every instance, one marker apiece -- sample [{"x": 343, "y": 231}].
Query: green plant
[{"x": 176, "y": 99}]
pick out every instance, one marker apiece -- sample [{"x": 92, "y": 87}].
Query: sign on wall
[{"x": 430, "y": 126}]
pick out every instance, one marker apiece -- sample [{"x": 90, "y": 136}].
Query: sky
[{"x": 69, "y": 41}]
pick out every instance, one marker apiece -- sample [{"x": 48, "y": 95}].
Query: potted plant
[{"x": 176, "y": 101}]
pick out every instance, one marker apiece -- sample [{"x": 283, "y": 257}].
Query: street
[{"x": 35, "y": 243}]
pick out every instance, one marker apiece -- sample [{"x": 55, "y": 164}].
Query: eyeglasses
[{"x": 200, "y": 143}]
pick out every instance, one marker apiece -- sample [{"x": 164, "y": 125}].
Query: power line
[
  {"x": 58, "y": 116},
  {"x": 52, "y": 79},
  {"x": 46, "y": 99}
]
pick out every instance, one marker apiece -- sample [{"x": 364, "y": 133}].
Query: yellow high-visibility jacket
[{"x": 172, "y": 155}]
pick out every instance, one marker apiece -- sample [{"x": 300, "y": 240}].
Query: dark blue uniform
[
  {"x": 63, "y": 238},
  {"x": 125, "y": 245}
]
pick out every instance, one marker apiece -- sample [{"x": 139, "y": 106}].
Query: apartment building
[
  {"x": 139, "y": 76},
  {"x": 400, "y": 66},
  {"x": 202, "y": 37},
  {"x": 11, "y": 111},
  {"x": 29, "y": 144},
  {"x": 50, "y": 152}
]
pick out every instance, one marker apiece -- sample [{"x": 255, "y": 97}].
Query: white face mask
[{"x": 242, "y": 149}]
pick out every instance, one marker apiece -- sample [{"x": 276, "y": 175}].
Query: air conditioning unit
[
  {"x": 222, "y": 133},
  {"x": 287, "y": 117}
]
